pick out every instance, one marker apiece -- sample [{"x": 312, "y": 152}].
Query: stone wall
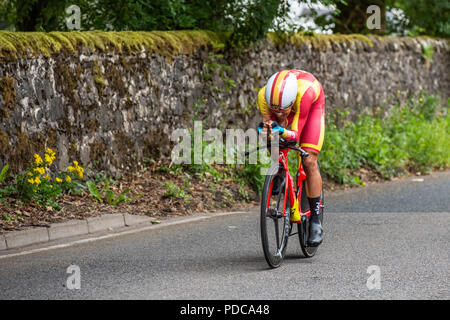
[{"x": 111, "y": 100}]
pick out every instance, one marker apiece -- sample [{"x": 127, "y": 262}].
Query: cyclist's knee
[{"x": 310, "y": 163}]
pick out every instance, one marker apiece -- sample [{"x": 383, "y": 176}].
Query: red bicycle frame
[{"x": 294, "y": 195}]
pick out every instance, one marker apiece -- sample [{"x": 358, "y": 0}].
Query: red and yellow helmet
[{"x": 281, "y": 90}]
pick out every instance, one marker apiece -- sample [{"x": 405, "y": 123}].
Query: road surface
[{"x": 396, "y": 233}]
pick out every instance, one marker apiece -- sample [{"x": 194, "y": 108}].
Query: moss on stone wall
[
  {"x": 91, "y": 125},
  {"x": 24, "y": 148},
  {"x": 320, "y": 41},
  {"x": 5, "y": 147},
  {"x": 97, "y": 152},
  {"x": 72, "y": 151},
  {"x": 65, "y": 78},
  {"x": 8, "y": 92},
  {"x": 100, "y": 82},
  {"x": 323, "y": 41},
  {"x": 125, "y": 146},
  {"x": 114, "y": 78},
  {"x": 167, "y": 43}
]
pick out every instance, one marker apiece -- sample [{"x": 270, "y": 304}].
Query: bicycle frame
[{"x": 294, "y": 195}]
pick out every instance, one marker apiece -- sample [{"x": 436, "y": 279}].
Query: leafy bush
[
  {"x": 106, "y": 195},
  {"x": 413, "y": 137},
  {"x": 173, "y": 191}
]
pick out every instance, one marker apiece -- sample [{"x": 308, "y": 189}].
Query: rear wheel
[
  {"x": 303, "y": 227},
  {"x": 274, "y": 227}
]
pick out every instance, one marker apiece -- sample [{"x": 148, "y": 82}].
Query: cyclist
[{"x": 295, "y": 98}]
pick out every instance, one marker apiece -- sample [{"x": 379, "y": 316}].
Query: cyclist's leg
[
  {"x": 312, "y": 140},
  {"x": 313, "y": 178}
]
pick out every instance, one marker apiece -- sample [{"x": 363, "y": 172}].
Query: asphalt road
[{"x": 399, "y": 228}]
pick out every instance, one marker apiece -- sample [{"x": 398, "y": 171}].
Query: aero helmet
[{"x": 281, "y": 90}]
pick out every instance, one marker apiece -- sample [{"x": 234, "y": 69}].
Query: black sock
[{"x": 314, "y": 205}]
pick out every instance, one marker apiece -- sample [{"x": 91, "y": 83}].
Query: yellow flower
[
  {"x": 30, "y": 174},
  {"x": 48, "y": 159},
  {"x": 47, "y": 177},
  {"x": 37, "y": 180},
  {"x": 398, "y": 91},
  {"x": 78, "y": 170},
  {"x": 68, "y": 179},
  {"x": 40, "y": 170},
  {"x": 31, "y": 181},
  {"x": 51, "y": 186},
  {"x": 58, "y": 180},
  {"x": 37, "y": 159},
  {"x": 420, "y": 99},
  {"x": 50, "y": 156}
]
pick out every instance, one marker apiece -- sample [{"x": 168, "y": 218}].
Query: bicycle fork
[{"x": 287, "y": 227}]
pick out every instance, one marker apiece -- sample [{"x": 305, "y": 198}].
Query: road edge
[
  {"x": 71, "y": 228},
  {"x": 112, "y": 224}
]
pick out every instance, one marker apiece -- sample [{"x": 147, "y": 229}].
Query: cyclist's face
[{"x": 282, "y": 112}]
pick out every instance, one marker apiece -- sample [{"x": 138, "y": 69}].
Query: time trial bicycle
[{"x": 278, "y": 207}]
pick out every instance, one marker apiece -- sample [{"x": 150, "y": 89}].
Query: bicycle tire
[
  {"x": 303, "y": 227},
  {"x": 271, "y": 219}
]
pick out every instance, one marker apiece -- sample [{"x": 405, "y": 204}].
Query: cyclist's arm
[
  {"x": 294, "y": 133},
  {"x": 262, "y": 105}
]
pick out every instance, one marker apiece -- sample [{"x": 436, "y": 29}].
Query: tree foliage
[
  {"x": 422, "y": 17},
  {"x": 351, "y": 17},
  {"x": 33, "y": 15},
  {"x": 403, "y": 17},
  {"x": 245, "y": 21}
]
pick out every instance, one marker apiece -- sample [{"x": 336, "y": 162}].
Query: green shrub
[
  {"x": 105, "y": 194},
  {"x": 173, "y": 191},
  {"x": 413, "y": 137}
]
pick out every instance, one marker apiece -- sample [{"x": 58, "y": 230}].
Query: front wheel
[{"x": 275, "y": 227}]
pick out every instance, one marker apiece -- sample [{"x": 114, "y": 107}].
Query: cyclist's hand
[
  {"x": 269, "y": 127},
  {"x": 265, "y": 128},
  {"x": 276, "y": 127}
]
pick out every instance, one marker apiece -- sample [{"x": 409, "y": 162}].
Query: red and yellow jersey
[{"x": 307, "y": 117}]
